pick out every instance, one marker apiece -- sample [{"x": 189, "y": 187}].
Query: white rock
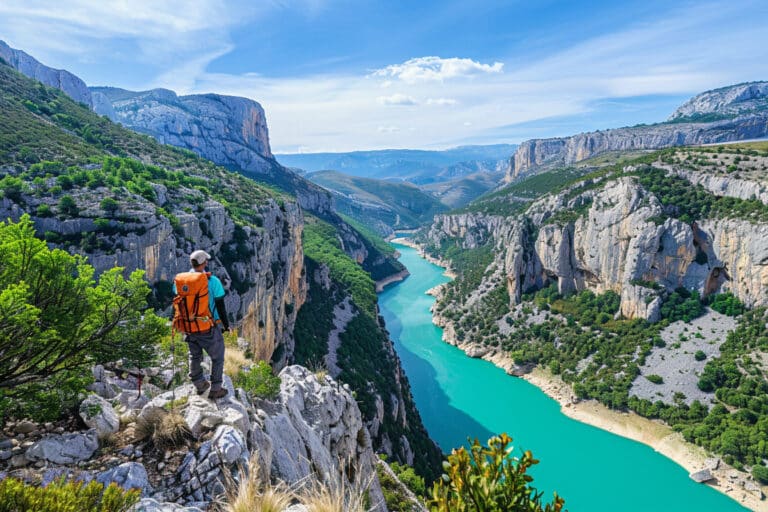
[
  {"x": 66, "y": 448},
  {"x": 97, "y": 413}
]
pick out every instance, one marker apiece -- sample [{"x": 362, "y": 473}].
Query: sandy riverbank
[
  {"x": 394, "y": 278},
  {"x": 652, "y": 433},
  {"x": 655, "y": 434},
  {"x": 440, "y": 263}
]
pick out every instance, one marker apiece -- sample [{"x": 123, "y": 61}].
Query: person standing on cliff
[{"x": 212, "y": 340}]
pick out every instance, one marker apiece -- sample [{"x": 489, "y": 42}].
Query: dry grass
[
  {"x": 234, "y": 361},
  {"x": 338, "y": 495},
  {"x": 163, "y": 429},
  {"x": 251, "y": 494}
]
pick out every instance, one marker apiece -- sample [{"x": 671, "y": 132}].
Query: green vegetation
[
  {"x": 63, "y": 496},
  {"x": 760, "y": 473},
  {"x": 656, "y": 379},
  {"x": 58, "y": 321},
  {"x": 259, "y": 380},
  {"x": 488, "y": 479},
  {"x": 366, "y": 361},
  {"x": 381, "y": 261},
  {"x": 399, "y": 205},
  {"x": 686, "y": 202},
  {"x": 322, "y": 245},
  {"x": 726, "y": 303},
  {"x": 394, "y": 497},
  {"x": 682, "y": 304}
]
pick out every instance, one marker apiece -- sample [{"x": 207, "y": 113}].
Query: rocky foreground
[{"x": 313, "y": 431}]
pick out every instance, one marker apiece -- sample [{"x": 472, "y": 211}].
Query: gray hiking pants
[{"x": 213, "y": 344}]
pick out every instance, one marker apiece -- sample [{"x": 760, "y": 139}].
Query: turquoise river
[{"x": 460, "y": 397}]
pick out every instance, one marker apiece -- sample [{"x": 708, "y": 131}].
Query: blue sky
[{"x": 340, "y": 75}]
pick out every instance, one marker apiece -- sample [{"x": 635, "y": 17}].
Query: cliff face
[
  {"x": 261, "y": 267},
  {"x": 58, "y": 78},
  {"x": 537, "y": 153},
  {"x": 227, "y": 130},
  {"x": 617, "y": 244},
  {"x": 734, "y": 100}
]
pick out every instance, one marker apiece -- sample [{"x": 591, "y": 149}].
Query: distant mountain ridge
[
  {"x": 414, "y": 165},
  {"x": 383, "y": 205},
  {"x": 738, "y": 112},
  {"x": 735, "y": 100}
]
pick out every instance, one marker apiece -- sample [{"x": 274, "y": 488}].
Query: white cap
[{"x": 199, "y": 257}]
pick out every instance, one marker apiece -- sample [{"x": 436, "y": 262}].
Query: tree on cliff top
[{"x": 56, "y": 320}]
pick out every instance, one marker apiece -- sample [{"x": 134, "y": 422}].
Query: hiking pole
[{"x": 173, "y": 368}]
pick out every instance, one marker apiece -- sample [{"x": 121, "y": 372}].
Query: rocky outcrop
[
  {"x": 229, "y": 130},
  {"x": 262, "y": 268},
  {"x": 313, "y": 431},
  {"x": 724, "y": 185},
  {"x": 544, "y": 153},
  {"x": 617, "y": 244},
  {"x": 73, "y": 86},
  {"x": 726, "y": 101}
]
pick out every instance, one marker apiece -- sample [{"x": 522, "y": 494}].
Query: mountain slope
[
  {"x": 738, "y": 112},
  {"x": 383, "y": 205},
  {"x": 416, "y": 166},
  {"x": 121, "y": 198}
]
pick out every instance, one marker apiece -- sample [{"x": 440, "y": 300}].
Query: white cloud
[
  {"x": 442, "y": 102},
  {"x": 425, "y": 69},
  {"x": 683, "y": 52},
  {"x": 397, "y": 99}
]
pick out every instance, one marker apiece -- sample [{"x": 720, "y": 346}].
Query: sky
[{"x": 344, "y": 75}]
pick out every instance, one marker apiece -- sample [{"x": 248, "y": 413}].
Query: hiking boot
[
  {"x": 202, "y": 388},
  {"x": 217, "y": 393}
]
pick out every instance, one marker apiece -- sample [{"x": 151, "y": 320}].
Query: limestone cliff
[
  {"x": 737, "y": 112},
  {"x": 617, "y": 243},
  {"x": 262, "y": 268},
  {"x": 537, "y": 153},
  {"x": 228, "y": 130},
  {"x": 58, "y": 78},
  {"x": 725, "y": 101}
]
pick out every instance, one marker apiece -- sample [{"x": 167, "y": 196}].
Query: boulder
[
  {"x": 98, "y": 414},
  {"x": 65, "y": 448},
  {"x": 129, "y": 475},
  {"x": 701, "y": 476}
]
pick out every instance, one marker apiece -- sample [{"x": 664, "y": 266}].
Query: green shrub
[
  {"x": 57, "y": 321},
  {"x": 44, "y": 210},
  {"x": 726, "y": 303},
  {"x": 60, "y": 496},
  {"x": 67, "y": 206},
  {"x": 260, "y": 381},
  {"x": 656, "y": 379},
  {"x": 487, "y": 479},
  {"x": 109, "y": 205},
  {"x": 760, "y": 473},
  {"x": 699, "y": 355}
]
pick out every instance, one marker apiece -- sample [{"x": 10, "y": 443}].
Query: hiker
[{"x": 203, "y": 330}]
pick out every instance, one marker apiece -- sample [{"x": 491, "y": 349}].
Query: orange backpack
[{"x": 191, "y": 310}]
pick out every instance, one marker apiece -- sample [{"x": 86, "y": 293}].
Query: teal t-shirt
[{"x": 215, "y": 291}]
